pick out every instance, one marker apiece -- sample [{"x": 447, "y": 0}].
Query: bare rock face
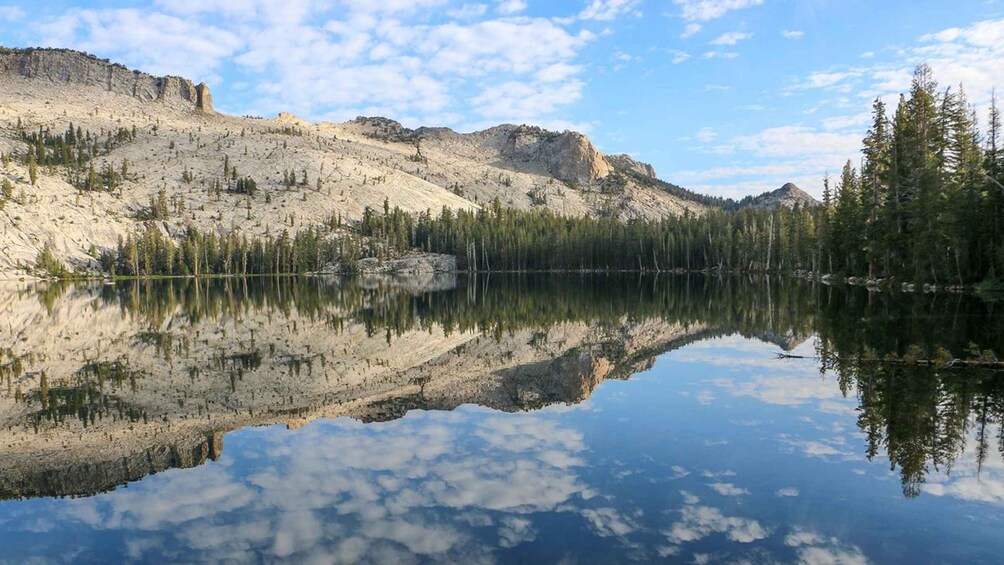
[
  {"x": 74, "y": 67},
  {"x": 175, "y": 88},
  {"x": 627, "y": 163},
  {"x": 569, "y": 156},
  {"x": 203, "y": 99}
]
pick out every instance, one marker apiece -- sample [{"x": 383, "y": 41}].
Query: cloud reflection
[{"x": 346, "y": 492}]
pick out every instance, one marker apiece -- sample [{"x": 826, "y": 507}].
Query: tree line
[{"x": 199, "y": 253}]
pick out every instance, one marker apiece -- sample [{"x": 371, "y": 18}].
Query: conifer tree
[{"x": 32, "y": 168}]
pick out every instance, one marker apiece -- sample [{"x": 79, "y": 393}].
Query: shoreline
[{"x": 872, "y": 285}]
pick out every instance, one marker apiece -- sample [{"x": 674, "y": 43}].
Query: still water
[{"x": 532, "y": 419}]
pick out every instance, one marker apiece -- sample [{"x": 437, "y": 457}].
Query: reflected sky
[{"x": 720, "y": 452}]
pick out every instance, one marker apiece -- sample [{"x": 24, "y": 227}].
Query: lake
[{"x": 511, "y": 419}]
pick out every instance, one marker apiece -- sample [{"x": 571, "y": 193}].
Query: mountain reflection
[{"x": 105, "y": 384}]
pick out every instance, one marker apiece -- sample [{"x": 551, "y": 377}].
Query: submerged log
[{"x": 950, "y": 363}]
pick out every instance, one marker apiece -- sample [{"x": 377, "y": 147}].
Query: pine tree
[
  {"x": 32, "y": 168},
  {"x": 875, "y": 172},
  {"x": 964, "y": 179},
  {"x": 848, "y": 227},
  {"x": 923, "y": 154},
  {"x": 994, "y": 183}
]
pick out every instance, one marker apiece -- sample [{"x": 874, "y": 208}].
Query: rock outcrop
[
  {"x": 627, "y": 163},
  {"x": 203, "y": 99},
  {"x": 568, "y": 156},
  {"x": 72, "y": 67}
]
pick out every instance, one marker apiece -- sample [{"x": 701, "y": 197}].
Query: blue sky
[{"x": 728, "y": 97}]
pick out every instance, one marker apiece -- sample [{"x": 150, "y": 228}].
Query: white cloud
[
  {"x": 468, "y": 11},
  {"x": 11, "y": 13},
  {"x": 690, "y": 30},
  {"x": 706, "y": 135},
  {"x": 158, "y": 43},
  {"x": 720, "y": 54},
  {"x": 731, "y": 38},
  {"x": 857, "y": 121},
  {"x": 606, "y": 10},
  {"x": 787, "y": 492},
  {"x": 797, "y": 141},
  {"x": 370, "y": 6},
  {"x": 333, "y": 60},
  {"x": 522, "y": 101},
  {"x": 510, "y": 7},
  {"x": 792, "y": 34},
  {"x": 679, "y": 56},
  {"x": 801, "y": 153},
  {"x": 707, "y": 10},
  {"x": 827, "y": 79},
  {"x": 972, "y": 56}
]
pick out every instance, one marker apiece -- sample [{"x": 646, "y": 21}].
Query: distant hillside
[{"x": 117, "y": 151}]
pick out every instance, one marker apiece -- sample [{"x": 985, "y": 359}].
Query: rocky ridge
[
  {"x": 567, "y": 156},
  {"x": 64, "y": 66}
]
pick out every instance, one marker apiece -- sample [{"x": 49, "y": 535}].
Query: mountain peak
[{"x": 789, "y": 195}]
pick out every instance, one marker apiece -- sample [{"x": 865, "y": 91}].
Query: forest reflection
[{"x": 889, "y": 351}]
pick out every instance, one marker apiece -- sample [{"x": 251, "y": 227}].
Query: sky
[{"x": 725, "y": 97}]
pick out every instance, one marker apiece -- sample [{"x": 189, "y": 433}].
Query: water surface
[{"x": 578, "y": 419}]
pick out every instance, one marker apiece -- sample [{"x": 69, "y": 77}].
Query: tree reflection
[
  {"x": 896, "y": 354},
  {"x": 889, "y": 351}
]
